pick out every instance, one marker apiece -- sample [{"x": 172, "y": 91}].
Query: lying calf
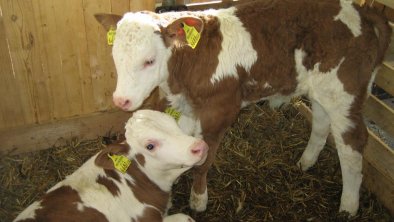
[{"x": 98, "y": 191}]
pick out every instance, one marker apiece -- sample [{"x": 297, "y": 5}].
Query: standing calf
[
  {"x": 328, "y": 50},
  {"x": 159, "y": 152}
]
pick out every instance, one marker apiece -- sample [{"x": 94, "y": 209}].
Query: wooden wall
[{"x": 54, "y": 60}]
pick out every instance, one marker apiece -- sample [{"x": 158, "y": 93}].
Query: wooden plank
[
  {"x": 389, "y": 3},
  {"x": 378, "y": 184},
  {"x": 120, "y": 7},
  {"x": 380, "y": 113},
  {"x": 385, "y": 78},
  {"x": 75, "y": 57},
  {"x": 37, "y": 137},
  {"x": 102, "y": 69},
  {"x": 52, "y": 58},
  {"x": 6, "y": 74},
  {"x": 379, "y": 155},
  {"x": 137, "y": 5},
  {"x": 17, "y": 22},
  {"x": 213, "y": 5},
  {"x": 41, "y": 85}
]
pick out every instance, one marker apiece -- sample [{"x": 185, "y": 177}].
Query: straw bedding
[{"x": 254, "y": 177}]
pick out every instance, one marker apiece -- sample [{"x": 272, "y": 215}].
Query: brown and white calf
[
  {"x": 328, "y": 50},
  {"x": 159, "y": 152}
]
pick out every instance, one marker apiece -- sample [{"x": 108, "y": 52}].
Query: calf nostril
[{"x": 196, "y": 151}]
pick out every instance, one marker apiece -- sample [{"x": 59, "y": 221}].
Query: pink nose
[
  {"x": 122, "y": 103},
  {"x": 200, "y": 148}
]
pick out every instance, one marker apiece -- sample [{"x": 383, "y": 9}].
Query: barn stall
[{"x": 58, "y": 77}]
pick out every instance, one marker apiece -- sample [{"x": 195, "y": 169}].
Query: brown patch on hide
[
  {"x": 102, "y": 160},
  {"x": 140, "y": 159},
  {"x": 109, "y": 184},
  {"x": 112, "y": 174},
  {"x": 145, "y": 190},
  {"x": 61, "y": 205},
  {"x": 150, "y": 214}
]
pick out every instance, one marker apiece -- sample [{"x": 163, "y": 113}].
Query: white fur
[
  {"x": 351, "y": 167},
  {"x": 136, "y": 42},
  {"x": 237, "y": 48},
  {"x": 163, "y": 165},
  {"x": 267, "y": 85},
  {"x": 317, "y": 140},
  {"x": 29, "y": 212},
  {"x": 198, "y": 202},
  {"x": 330, "y": 100},
  {"x": 372, "y": 80},
  {"x": 350, "y": 17}
]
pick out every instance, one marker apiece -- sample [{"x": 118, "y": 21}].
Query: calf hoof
[
  {"x": 305, "y": 163},
  {"x": 178, "y": 218},
  {"x": 198, "y": 202},
  {"x": 349, "y": 205}
]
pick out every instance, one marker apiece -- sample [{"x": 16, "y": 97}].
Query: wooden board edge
[
  {"x": 381, "y": 186},
  {"x": 385, "y": 78},
  {"x": 380, "y": 113},
  {"x": 214, "y": 4},
  {"x": 42, "y": 136}
]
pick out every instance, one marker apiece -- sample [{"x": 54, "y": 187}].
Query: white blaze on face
[{"x": 140, "y": 58}]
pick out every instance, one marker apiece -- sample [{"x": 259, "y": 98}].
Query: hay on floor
[{"x": 254, "y": 177}]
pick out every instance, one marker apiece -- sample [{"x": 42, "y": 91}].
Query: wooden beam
[
  {"x": 214, "y": 5},
  {"x": 38, "y": 137},
  {"x": 380, "y": 113},
  {"x": 385, "y": 78}
]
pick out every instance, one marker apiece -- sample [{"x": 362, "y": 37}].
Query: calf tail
[{"x": 383, "y": 31}]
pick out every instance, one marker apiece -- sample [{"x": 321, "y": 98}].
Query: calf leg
[
  {"x": 199, "y": 191},
  {"x": 320, "y": 130},
  {"x": 350, "y": 138}
]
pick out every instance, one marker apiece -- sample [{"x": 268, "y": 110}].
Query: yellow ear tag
[
  {"x": 173, "y": 113},
  {"x": 192, "y": 35},
  {"x": 111, "y": 36},
  {"x": 121, "y": 163}
]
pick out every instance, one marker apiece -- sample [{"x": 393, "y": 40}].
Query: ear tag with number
[
  {"x": 192, "y": 35},
  {"x": 121, "y": 163},
  {"x": 173, "y": 113}
]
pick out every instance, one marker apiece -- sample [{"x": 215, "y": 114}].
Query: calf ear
[
  {"x": 174, "y": 33},
  {"x": 102, "y": 160},
  {"x": 108, "y": 20}
]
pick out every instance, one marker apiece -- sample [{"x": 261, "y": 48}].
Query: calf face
[
  {"x": 162, "y": 143},
  {"x": 141, "y": 50},
  {"x": 97, "y": 191}
]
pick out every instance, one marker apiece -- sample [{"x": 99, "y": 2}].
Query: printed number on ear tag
[
  {"x": 111, "y": 36},
  {"x": 121, "y": 163},
  {"x": 192, "y": 35}
]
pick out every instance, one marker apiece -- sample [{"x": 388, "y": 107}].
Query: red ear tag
[{"x": 191, "y": 22}]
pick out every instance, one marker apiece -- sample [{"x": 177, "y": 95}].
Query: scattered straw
[{"x": 254, "y": 177}]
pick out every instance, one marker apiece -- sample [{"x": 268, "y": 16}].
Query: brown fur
[
  {"x": 109, "y": 184},
  {"x": 277, "y": 29},
  {"x": 61, "y": 205},
  {"x": 145, "y": 190}
]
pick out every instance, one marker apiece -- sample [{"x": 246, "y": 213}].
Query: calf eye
[
  {"x": 150, "y": 146},
  {"x": 149, "y": 62}
]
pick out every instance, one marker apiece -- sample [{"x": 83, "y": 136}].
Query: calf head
[
  {"x": 141, "y": 50},
  {"x": 158, "y": 144}
]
